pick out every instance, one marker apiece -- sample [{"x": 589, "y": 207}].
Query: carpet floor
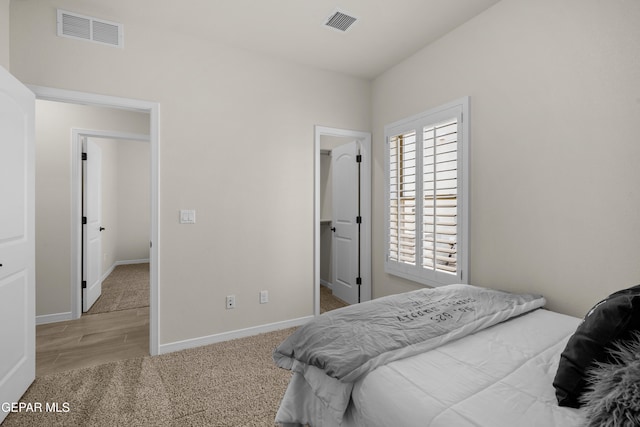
[
  {"x": 328, "y": 301},
  {"x": 125, "y": 288},
  {"x": 233, "y": 383}
]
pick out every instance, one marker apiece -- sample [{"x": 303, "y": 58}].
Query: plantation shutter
[
  {"x": 440, "y": 191},
  {"x": 426, "y": 214},
  {"x": 403, "y": 198}
]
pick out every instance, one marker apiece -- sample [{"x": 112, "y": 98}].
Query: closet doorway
[{"x": 342, "y": 214}]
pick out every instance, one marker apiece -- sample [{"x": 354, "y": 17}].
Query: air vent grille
[
  {"x": 340, "y": 21},
  {"x": 74, "y": 26},
  {"x": 105, "y": 33},
  {"x": 87, "y": 28}
]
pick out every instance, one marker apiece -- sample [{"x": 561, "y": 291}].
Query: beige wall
[
  {"x": 4, "y": 34},
  {"x": 54, "y": 122},
  {"x": 134, "y": 204},
  {"x": 554, "y": 128},
  {"x": 236, "y": 145},
  {"x": 126, "y": 204},
  {"x": 555, "y": 102}
]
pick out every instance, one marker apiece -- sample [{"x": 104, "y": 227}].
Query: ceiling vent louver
[
  {"x": 340, "y": 21},
  {"x": 87, "y": 28}
]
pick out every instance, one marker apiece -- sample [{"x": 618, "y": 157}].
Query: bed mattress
[{"x": 500, "y": 376}]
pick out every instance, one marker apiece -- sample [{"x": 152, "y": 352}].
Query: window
[{"x": 427, "y": 195}]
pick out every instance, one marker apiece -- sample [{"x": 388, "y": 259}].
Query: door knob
[
  {"x": 333, "y": 229},
  {"x": 102, "y": 228}
]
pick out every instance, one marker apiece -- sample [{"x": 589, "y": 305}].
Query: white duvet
[
  {"x": 330, "y": 354},
  {"x": 501, "y": 376}
]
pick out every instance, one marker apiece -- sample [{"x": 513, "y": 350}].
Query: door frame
[
  {"x": 153, "y": 109},
  {"x": 365, "y": 210},
  {"x": 76, "y": 205}
]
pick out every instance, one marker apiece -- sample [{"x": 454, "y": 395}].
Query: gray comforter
[{"x": 335, "y": 349}]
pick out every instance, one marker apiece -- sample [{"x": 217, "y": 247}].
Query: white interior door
[
  {"x": 92, "y": 230},
  {"x": 17, "y": 242},
  {"x": 346, "y": 245}
]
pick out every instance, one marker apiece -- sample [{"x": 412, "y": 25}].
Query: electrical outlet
[
  {"x": 264, "y": 297},
  {"x": 231, "y": 301}
]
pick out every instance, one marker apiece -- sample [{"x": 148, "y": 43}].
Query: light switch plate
[
  {"x": 264, "y": 297},
  {"x": 187, "y": 216}
]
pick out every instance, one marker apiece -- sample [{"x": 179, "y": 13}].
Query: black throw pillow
[{"x": 614, "y": 318}]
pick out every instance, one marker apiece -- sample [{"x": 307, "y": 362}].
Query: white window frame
[{"x": 431, "y": 277}]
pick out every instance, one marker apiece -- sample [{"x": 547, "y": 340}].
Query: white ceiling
[{"x": 387, "y": 31}]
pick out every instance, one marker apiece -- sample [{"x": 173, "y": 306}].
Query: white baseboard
[
  {"x": 325, "y": 283},
  {"x": 131, "y": 261},
  {"x": 226, "y": 336},
  {"x": 52, "y": 318},
  {"x": 108, "y": 272}
]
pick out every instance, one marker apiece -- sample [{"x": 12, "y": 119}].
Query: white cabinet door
[
  {"x": 346, "y": 246},
  {"x": 17, "y": 242}
]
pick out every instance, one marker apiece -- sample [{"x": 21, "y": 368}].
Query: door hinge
[
  {"x": 84, "y": 284},
  {"x": 358, "y": 280},
  {"x": 359, "y": 158},
  {"x": 358, "y": 219},
  {"x": 84, "y": 220},
  {"x": 84, "y": 156}
]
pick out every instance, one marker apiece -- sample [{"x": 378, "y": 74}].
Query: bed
[{"x": 477, "y": 368}]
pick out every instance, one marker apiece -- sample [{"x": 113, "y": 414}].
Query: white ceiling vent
[
  {"x": 82, "y": 27},
  {"x": 340, "y": 20}
]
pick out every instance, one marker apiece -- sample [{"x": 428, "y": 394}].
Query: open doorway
[
  {"x": 115, "y": 201},
  {"x": 70, "y": 241},
  {"x": 342, "y": 214}
]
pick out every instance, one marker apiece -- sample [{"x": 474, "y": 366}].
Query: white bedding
[
  {"x": 331, "y": 353},
  {"x": 501, "y": 376}
]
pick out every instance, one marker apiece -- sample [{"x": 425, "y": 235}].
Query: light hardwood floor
[{"x": 92, "y": 340}]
